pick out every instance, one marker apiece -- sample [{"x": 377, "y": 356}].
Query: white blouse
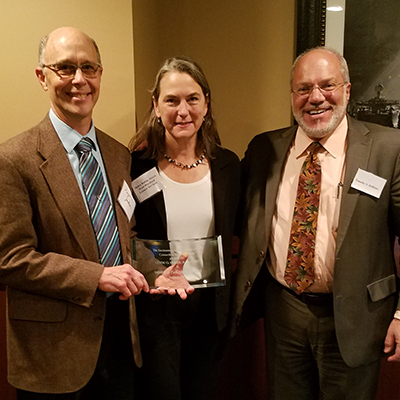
[{"x": 190, "y": 214}]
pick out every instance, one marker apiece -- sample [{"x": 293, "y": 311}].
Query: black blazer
[{"x": 151, "y": 219}]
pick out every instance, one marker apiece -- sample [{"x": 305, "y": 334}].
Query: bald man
[
  {"x": 322, "y": 209},
  {"x": 65, "y": 247}
]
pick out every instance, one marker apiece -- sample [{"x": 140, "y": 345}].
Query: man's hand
[
  {"x": 393, "y": 339},
  {"x": 122, "y": 279},
  {"x": 173, "y": 281}
]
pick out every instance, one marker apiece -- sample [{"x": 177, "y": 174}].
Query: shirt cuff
[{"x": 397, "y": 314}]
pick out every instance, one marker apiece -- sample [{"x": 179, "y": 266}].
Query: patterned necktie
[
  {"x": 100, "y": 208},
  {"x": 299, "y": 273}
]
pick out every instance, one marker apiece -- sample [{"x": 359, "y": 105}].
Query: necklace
[{"x": 186, "y": 166}]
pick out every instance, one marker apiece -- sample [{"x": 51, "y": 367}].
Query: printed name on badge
[
  {"x": 147, "y": 185},
  {"x": 126, "y": 200},
  {"x": 369, "y": 183}
]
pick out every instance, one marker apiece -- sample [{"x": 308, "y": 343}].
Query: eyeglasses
[
  {"x": 66, "y": 70},
  {"x": 326, "y": 89}
]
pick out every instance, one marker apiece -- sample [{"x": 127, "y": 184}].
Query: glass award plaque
[{"x": 203, "y": 268}]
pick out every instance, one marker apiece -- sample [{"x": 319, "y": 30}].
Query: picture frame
[
  {"x": 369, "y": 39},
  {"x": 311, "y": 24}
]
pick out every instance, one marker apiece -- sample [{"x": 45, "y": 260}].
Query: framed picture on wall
[{"x": 367, "y": 33}]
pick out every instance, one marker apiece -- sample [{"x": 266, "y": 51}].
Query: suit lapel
[
  {"x": 140, "y": 166},
  {"x": 357, "y": 156},
  {"x": 117, "y": 171},
  {"x": 158, "y": 201},
  {"x": 281, "y": 147},
  {"x": 58, "y": 174},
  {"x": 220, "y": 182}
]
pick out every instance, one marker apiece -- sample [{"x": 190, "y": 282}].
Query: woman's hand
[{"x": 172, "y": 280}]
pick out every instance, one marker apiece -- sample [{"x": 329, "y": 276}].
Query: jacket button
[
  {"x": 247, "y": 286},
  {"x": 262, "y": 254}
]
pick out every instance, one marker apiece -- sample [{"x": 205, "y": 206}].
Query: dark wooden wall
[{"x": 6, "y": 391}]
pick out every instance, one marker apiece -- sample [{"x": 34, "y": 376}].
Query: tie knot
[
  {"x": 85, "y": 145},
  {"x": 314, "y": 147}
]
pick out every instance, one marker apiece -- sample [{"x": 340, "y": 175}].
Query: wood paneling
[{"x": 7, "y": 392}]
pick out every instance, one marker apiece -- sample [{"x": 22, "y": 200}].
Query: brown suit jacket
[{"x": 49, "y": 261}]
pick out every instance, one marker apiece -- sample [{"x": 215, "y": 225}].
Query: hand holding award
[{"x": 172, "y": 280}]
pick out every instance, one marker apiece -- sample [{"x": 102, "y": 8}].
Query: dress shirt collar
[
  {"x": 334, "y": 144},
  {"x": 68, "y": 136}
]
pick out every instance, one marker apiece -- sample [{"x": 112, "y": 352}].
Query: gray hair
[{"x": 344, "y": 69}]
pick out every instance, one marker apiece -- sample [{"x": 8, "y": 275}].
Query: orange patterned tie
[{"x": 299, "y": 273}]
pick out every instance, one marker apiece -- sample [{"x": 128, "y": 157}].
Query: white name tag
[
  {"x": 147, "y": 185},
  {"x": 126, "y": 200},
  {"x": 368, "y": 183}
]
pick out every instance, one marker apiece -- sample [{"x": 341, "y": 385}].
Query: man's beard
[{"x": 338, "y": 112}]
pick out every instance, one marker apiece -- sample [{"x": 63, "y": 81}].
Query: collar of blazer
[
  {"x": 219, "y": 176},
  {"x": 61, "y": 181},
  {"x": 57, "y": 172},
  {"x": 357, "y": 156}
]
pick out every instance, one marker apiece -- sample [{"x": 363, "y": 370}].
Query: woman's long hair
[{"x": 152, "y": 131}]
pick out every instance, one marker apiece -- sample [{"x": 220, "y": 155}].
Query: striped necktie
[
  {"x": 299, "y": 273},
  {"x": 100, "y": 208}
]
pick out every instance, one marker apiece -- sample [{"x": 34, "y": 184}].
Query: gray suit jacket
[
  {"x": 365, "y": 290},
  {"x": 50, "y": 264}
]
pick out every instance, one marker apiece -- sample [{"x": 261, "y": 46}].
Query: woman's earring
[{"x": 159, "y": 120}]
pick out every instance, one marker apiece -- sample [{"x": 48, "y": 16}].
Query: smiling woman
[
  {"x": 199, "y": 197},
  {"x": 181, "y": 107}
]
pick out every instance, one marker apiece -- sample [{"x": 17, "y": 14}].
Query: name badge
[
  {"x": 369, "y": 183},
  {"x": 126, "y": 200},
  {"x": 147, "y": 185}
]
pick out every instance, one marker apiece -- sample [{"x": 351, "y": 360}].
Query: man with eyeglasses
[
  {"x": 66, "y": 216},
  {"x": 321, "y": 211}
]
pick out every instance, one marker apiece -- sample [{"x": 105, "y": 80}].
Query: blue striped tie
[{"x": 100, "y": 207}]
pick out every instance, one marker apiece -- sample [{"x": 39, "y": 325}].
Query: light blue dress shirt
[{"x": 70, "y": 138}]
